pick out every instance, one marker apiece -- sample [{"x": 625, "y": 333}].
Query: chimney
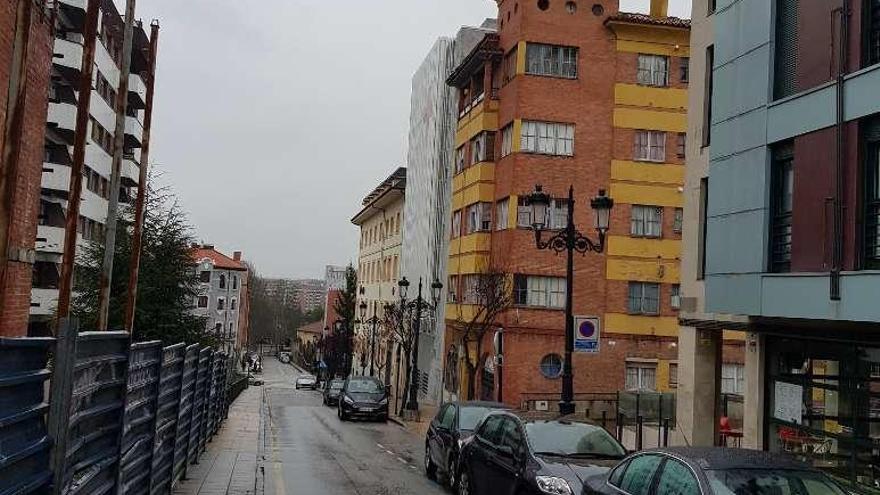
[
  {"x": 659, "y": 8},
  {"x": 236, "y": 256}
]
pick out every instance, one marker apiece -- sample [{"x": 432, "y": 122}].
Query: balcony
[
  {"x": 56, "y": 177},
  {"x": 137, "y": 92},
  {"x": 62, "y": 117},
  {"x": 68, "y": 53},
  {"x": 133, "y": 131},
  {"x": 131, "y": 171},
  {"x": 43, "y": 301},
  {"x": 50, "y": 239}
]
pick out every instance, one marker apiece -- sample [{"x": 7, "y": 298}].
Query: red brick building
[{"x": 25, "y": 58}]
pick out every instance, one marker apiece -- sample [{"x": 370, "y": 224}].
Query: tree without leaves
[
  {"x": 490, "y": 296},
  {"x": 167, "y": 281},
  {"x": 346, "y": 306}
]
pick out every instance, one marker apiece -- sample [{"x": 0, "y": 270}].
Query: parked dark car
[
  {"x": 711, "y": 471},
  {"x": 332, "y": 390},
  {"x": 520, "y": 453},
  {"x": 363, "y": 397},
  {"x": 451, "y": 427}
]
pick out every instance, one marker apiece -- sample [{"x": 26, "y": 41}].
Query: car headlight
[
  {"x": 347, "y": 400},
  {"x": 383, "y": 402},
  {"x": 553, "y": 485}
]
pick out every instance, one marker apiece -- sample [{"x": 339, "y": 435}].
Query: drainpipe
[
  {"x": 84, "y": 98},
  {"x": 840, "y": 151},
  {"x": 137, "y": 238}
]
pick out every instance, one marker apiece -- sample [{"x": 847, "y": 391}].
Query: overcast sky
[{"x": 274, "y": 118}]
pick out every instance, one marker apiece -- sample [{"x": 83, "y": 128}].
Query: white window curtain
[
  {"x": 507, "y": 140},
  {"x": 537, "y": 291},
  {"x": 501, "y": 214},
  {"x": 548, "y": 138},
  {"x": 647, "y": 221},
  {"x": 653, "y": 70},
  {"x": 650, "y": 146}
]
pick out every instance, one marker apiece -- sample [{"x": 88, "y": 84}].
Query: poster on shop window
[
  {"x": 788, "y": 402},
  {"x": 586, "y": 334}
]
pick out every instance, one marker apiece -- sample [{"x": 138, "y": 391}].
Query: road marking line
[
  {"x": 401, "y": 459},
  {"x": 389, "y": 452}
]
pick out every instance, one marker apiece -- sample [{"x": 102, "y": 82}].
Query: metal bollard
[{"x": 639, "y": 423}]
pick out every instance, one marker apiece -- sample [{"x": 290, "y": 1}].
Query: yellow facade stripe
[
  {"x": 476, "y": 193},
  {"x": 633, "y": 46},
  {"x": 647, "y": 96},
  {"x": 521, "y": 57},
  {"x": 659, "y": 271},
  {"x": 652, "y": 120},
  {"x": 517, "y": 135},
  {"x": 478, "y": 242},
  {"x": 663, "y": 326},
  {"x": 636, "y": 194},
  {"x": 636, "y": 247},
  {"x": 468, "y": 264},
  {"x": 480, "y": 172},
  {"x": 512, "y": 209},
  {"x": 460, "y": 312},
  {"x": 662, "y": 377},
  {"x": 482, "y": 121},
  {"x": 660, "y": 173}
]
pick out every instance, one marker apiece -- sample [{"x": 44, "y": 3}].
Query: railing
[{"x": 122, "y": 418}]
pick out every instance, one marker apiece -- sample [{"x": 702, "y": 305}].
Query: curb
[{"x": 397, "y": 421}]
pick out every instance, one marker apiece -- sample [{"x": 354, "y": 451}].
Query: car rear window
[
  {"x": 470, "y": 416},
  {"x": 771, "y": 482}
]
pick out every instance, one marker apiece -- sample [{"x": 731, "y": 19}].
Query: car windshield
[
  {"x": 365, "y": 386},
  {"x": 771, "y": 482},
  {"x": 470, "y": 416},
  {"x": 569, "y": 439}
]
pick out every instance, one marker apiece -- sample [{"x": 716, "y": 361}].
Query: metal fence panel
[
  {"x": 166, "y": 418},
  {"x": 206, "y": 368},
  {"x": 185, "y": 412},
  {"x": 93, "y": 413},
  {"x": 139, "y": 426},
  {"x": 24, "y": 439}
]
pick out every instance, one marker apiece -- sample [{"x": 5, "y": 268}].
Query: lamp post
[
  {"x": 412, "y": 403},
  {"x": 568, "y": 241},
  {"x": 371, "y": 322}
]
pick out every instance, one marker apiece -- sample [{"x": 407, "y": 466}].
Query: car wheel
[
  {"x": 430, "y": 467},
  {"x": 451, "y": 477},
  {"x": 464, "y": 483}
]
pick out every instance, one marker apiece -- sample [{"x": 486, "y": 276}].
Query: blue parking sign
[{"x": 586, "y": 334}]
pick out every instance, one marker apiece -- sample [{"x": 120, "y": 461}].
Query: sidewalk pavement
[{"x": 229, "y": 465}]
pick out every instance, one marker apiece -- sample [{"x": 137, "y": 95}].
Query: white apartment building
[
  {"x": 60, "y": 130},
  {"x": 220, "y": 295}
]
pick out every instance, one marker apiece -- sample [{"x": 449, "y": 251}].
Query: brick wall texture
[{"x": 16, "y": 284}]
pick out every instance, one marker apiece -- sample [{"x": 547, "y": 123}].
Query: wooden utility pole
[
  {"x": 116, "y": 172},
  {"x": 84, "y": 98},
  {"x": 137, "y": 238}
]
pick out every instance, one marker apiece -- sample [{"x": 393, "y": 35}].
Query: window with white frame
[
  {"x": 644, "y": 298},
  {"x": 544, "y": 292},
  {"x": 678, "y": 220},
  {"x": 501, "y": 212},
  {"x": 483, "y": 148},
  {"x": 507, "y": 140},
  {"x": 551, "y": 60},
  {"x": 649, "y": 146},
  {"x": 558, "y": 214},
  {"x": 479, "y": 217},
  {"x": 523, "y": 213},
  {"x": 647, "y": 221},
  {"x": 459, "y": 159},
  {"x": 675, "y": 296},
  {"x": 456, "y": 224},
  {"x": 452, "y": 290},
  {"x": 653, "y": 70},
  {"x": 470, "y": 288},
  {"x": 673, "y": 375},
  {"x": 732, "y": 379},
  {"x": 548, "y": 138},
  {"x": 641, "y": 376}
]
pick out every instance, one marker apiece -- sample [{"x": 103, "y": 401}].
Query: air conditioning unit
[{"x": 542, "y": 405}]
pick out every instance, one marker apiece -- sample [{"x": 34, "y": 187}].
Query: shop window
[
  {"x": 781, "y": 204},
  {"x": 551, "y": 366}
]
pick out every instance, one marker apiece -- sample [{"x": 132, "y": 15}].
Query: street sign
[{"x": 586, "y": 334}]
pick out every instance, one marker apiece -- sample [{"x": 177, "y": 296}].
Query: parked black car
[
  {"x": 332, "y": 390},
  {"x": 453, "y": 424},
  {"x": 519, "y": 453},
  {"x": 363, "y": 397},
  {"x": 711, "y": 471}
]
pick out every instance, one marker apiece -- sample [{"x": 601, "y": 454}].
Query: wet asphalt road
[{"x": 308, "y": 450}]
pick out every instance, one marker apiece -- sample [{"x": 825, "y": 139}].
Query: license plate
[{"x": 368, "y": 409}]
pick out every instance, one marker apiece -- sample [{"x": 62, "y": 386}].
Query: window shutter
[{"x": 785, "y": 82}]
